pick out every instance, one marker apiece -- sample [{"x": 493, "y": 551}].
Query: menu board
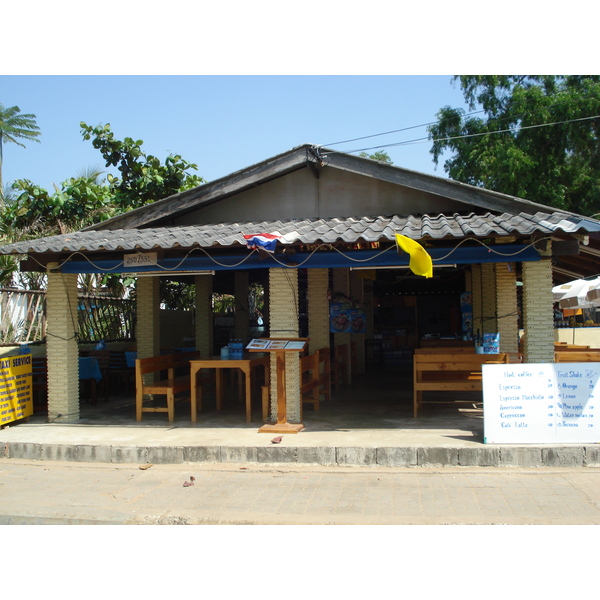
[
  {"x": 16, "y": 399},
  {"x": 276, "y": 344},
  {"x": 541, "y": 403}
]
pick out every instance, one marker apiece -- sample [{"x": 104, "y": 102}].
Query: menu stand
[{"x": 279, "y": 347}]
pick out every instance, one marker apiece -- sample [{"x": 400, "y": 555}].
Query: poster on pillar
[
  {"x": 345, "y": 319},
  {"x": 16, "y": 400}
]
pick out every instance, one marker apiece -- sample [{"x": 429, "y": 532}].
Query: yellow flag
[{"x": 420, "y": 262}]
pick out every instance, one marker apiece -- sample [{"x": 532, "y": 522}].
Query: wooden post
[{"x": 282, "y": 425}]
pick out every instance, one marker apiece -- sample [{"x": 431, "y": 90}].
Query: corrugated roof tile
[{"x": 307, "y": 231}]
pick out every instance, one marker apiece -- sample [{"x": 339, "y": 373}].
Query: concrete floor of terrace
[
  {"x": 367, "y": 423},
  {"x": 375, "y": 410}
]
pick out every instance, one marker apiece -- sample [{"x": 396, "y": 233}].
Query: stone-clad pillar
[
  {"x": 476, "y": 298},
  {"x": 318, "y": 309},
  {"x": 284, "y": 323},
  {"x": 341, "y": 285},
  {"x": 242, "y": 318},
  {"x": 148, "y": 317},
  {"x": 204, "y": 315},
  {"x": 538, "y": 312},
  {"x": 357, "y": 294},
  {"x": 62, "y": 347},
  {"x": 488, "y": 300},
  {"x": 506, "y": 301}
]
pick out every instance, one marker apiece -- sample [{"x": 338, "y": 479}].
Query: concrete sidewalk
[{"x": 366, "y": 424}]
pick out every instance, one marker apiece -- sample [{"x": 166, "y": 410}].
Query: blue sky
[
  {"x": 221, "y": 123},
  {"x": 226, "y": 85}
]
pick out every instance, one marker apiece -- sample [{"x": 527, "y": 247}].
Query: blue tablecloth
[
  {"x": 130, "y": 358},
  {"x": 89, "y": 369}
]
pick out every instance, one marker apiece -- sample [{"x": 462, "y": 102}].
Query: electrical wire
[
  {"x": 287, "y": 265},
  {"x": 465, "y": 136}
]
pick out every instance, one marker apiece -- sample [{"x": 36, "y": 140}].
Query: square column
[
  {"x": 62, "y": 347},
  {"x": 148, "y": 317},
  {"x": 318, "y": 309},
  {"x": 204, "y": 315},
  {"x": 358, "y": 294},
  {"x": 341, "y": 284},
  {"x": 242, "y": 307},
  {"x": 476, "y": 293},
  {"x": 538, "y": 312},
  {"x": 506, "y": 301},
  {"x": 488, "y": 299},
  {"x": 283, "y": 323}
]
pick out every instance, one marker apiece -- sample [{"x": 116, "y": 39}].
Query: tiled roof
[{"x": 310, "y": 231}]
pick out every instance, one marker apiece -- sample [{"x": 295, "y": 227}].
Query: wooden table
[{"x": 245, "y": 364}]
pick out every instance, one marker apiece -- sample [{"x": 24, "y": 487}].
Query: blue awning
[{"x": 316, "y": 260}]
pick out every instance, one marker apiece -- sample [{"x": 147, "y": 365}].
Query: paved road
[{"x": 61, "y": 492}]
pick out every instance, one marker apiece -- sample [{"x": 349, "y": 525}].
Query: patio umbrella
[
  {"x": 559, "y": 291},
  {"x": 593, "y": 293},
  {"x": 576, "y": 296}
]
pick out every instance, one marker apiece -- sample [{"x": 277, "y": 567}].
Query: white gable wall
[{"x": 300, "y": 195}]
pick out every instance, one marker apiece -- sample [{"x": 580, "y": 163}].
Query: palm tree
[{"x": 15, "y": 126}]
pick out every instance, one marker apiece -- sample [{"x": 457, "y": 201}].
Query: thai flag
[{"x": 262, "y": 241}]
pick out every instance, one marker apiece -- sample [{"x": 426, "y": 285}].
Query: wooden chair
[{"x": 103, "y": 358}]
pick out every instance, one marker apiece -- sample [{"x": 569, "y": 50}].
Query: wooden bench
[
  {"x": 439, "y": 350},
  {"x": 168, "y": 386},
  {"x": 449, "y": 372},
  {"x": 575, "y": 356}
]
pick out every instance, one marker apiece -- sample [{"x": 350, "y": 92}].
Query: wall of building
[{"x": 336, "y": 193}]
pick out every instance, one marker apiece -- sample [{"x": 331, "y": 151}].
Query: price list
[{"x": 541, "y": 403}]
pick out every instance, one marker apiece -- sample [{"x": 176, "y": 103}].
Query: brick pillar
[
  {"x": 488, "y": 299},
  {"x": 476, "y": 290},
  {"x": 357, "y": 293},
  {"x": 283, "y": 323},
  {"x": 341, "y": 284},
  {"x": 506, "y": 300},
  {"x": 204, "y": 316},
  {"x": 148, "y": 317},
  {"x": 242, "y": 321},
  {"x": 61, "y": 347},
  {"x": 538, "y": 314},
  {"x": 318, "y": 309}
]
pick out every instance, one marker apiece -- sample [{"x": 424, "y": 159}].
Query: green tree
[
  {"x": 380, "y": 155},
  {"x": 14, "y": 127},
  {"x": 143, "y": 178},
  {"x": 548, "y": 147}
]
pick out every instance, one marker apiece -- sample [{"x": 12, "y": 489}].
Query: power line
[
  {"x": 469, "y": 135},
  {"x": 365, "y": 137}
]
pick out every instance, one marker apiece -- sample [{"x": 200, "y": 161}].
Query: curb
[{"x": 497, "y": 456}]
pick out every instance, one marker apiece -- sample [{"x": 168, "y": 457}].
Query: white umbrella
[
  {"x": 593, "y": 293},
  {"x": 576, "y": 297},
  {"x": 559, "y": 291}
]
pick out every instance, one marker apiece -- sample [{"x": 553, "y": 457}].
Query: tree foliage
[
  {"x": 31, "y": 211},
  {"x": 557, "y": 164},
  {"x": 85, "y": 200},
  {"x": 143, "y": 178},
  {"x": 380, "y": 155},
  {"x": 14, "y": 127}
]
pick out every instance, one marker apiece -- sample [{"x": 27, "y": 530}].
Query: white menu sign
[{"x": 541, "y": 403}]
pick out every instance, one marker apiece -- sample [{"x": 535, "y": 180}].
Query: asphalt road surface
[{"x": 76, "y": 493}]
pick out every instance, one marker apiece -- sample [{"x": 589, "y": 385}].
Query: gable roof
[
  {"x": 486, "y": 214},
  {"x": 315, "y": 158}
]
